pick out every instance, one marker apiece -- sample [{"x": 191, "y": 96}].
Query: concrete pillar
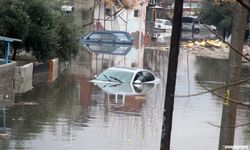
[{"x": 53, "y": 69}]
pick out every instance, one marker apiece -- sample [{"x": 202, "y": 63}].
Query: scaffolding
[{"x": 111, "y": 11}]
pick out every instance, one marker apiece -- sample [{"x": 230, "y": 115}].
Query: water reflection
[
  {"x": 216, "y": 76},
  {"x": 72, "y": 113}
]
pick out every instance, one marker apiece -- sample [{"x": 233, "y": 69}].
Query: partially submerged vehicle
[
  {"x": 111, "y": 37},
  {"x": 126, "y": 75}
]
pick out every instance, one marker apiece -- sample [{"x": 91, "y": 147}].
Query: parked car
[
  {"x": 106, "y": 48},
  {"x": 163, "y": 24},
  {"x": 113, "y": 37},
  {"x": 126, "y": 75},
  {"x": 191, "y": 23},
  {"x": 67, "y": 7}
]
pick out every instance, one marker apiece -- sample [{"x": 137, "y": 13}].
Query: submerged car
[
  {"x": 127, "y": 75},
  {"x": 111, "y": 49},
  {"x": 125, "y": 88},
  {"x": 112, "y": 37}
]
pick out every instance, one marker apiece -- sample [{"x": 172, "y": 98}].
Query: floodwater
[{"x": 74, "y": 114}]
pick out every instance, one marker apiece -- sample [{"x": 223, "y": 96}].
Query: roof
[{"x": 7, "y": 39}]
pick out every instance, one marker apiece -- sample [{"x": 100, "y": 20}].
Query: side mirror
[{"x": 137, "y": 82}]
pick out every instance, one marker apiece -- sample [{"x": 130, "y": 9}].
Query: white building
[{"x": 123, "y": 15}]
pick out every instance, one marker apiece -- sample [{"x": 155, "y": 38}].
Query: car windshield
[
  {"x": 121, "y": 36},
  {"x": 116, "y": 76},
  {"x": 159, "y": 21}
]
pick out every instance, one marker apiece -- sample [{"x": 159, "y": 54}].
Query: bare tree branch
[
  {"x": 215, "y": 89},
  {"x": 238, "y": 102},
  {"x": 235, "y": 126},
  {"x": 244, "y": 3},
  {"x": 230, "y": 45}
]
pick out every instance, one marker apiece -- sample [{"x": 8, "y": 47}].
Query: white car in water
[
  {"x": 127, "y": 75},
  {"x": 163, "y": 24}
]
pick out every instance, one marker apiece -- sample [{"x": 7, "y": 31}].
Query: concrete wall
[
  {"x": 24, "y": 78},
  {"x": 53, "y": 69},
  {"x": 7, "y": 73}
]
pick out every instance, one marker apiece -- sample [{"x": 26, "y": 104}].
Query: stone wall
[{"x": 7, "y": 75}]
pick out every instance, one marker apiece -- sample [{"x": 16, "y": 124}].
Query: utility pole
[
  {"x": 229, "y": 111},
  {"x": 171, "y": 79}
]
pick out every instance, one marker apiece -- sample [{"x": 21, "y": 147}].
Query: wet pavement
[{"x": 74, "y": 114}]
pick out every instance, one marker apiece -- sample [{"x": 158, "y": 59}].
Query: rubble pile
[
  {"x": 205, "y": 43},
  {"x": 210, "y": 48}
]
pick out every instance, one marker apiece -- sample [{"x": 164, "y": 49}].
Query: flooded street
[{"x": 74, "y": 114}]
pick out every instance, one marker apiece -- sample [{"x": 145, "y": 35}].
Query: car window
[
  {"x": 148, "y": 76},
  {"x": 158, "y": 21},
  {"x": 112, "y": 75},
  {"x": 167, "y": 23},
  {"x": 95, "y": 36},
  {"x": 107, "y": 37},
  {"x": 187, "y": 19},
  {"x": 144, "y": 76},
  {"x": 121, "y": 37}
]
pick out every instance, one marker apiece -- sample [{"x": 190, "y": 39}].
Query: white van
[
  {"x": 163, "y": 24},
  {"x": 191, "y": 23}
]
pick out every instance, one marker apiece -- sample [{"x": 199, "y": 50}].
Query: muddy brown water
[{"x": 74, "y": 114}]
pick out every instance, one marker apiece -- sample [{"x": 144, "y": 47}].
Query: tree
[
  {"x": 218, "y": 15},
  {"x": 42, "y": 38},
  {"x": 68, "y": 38},
  {"x": 46, "y": 30},
  {"x": 14, "y": 22}
]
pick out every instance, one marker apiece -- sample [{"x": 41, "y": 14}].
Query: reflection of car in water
[
  {"x": 126, "y": 75},
  {"x": 112, "y": 49},
  {"x": 125, "y": 97},
  {"x": 125, "y": 88},
  {"x": 113, "y": 37}
]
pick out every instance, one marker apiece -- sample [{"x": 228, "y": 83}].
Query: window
[
  {"x": 108, "y": 37},
  {"x": 144, "y": 76},
  {"x": 108, "y": 12},
  {"x": 121, "y": 37},
  {"x": 95, "y": 36},
  {"x": 136, "y": 13}
]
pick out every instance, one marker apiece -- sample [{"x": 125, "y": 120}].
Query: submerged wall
[
  {"x": 24, "y": 78},
  {"x": 7, "y": 76}
]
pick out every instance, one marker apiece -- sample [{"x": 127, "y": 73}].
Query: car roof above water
[
  {"x": 109, "y": 31},
  {"x": 130, "y": 69}
]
